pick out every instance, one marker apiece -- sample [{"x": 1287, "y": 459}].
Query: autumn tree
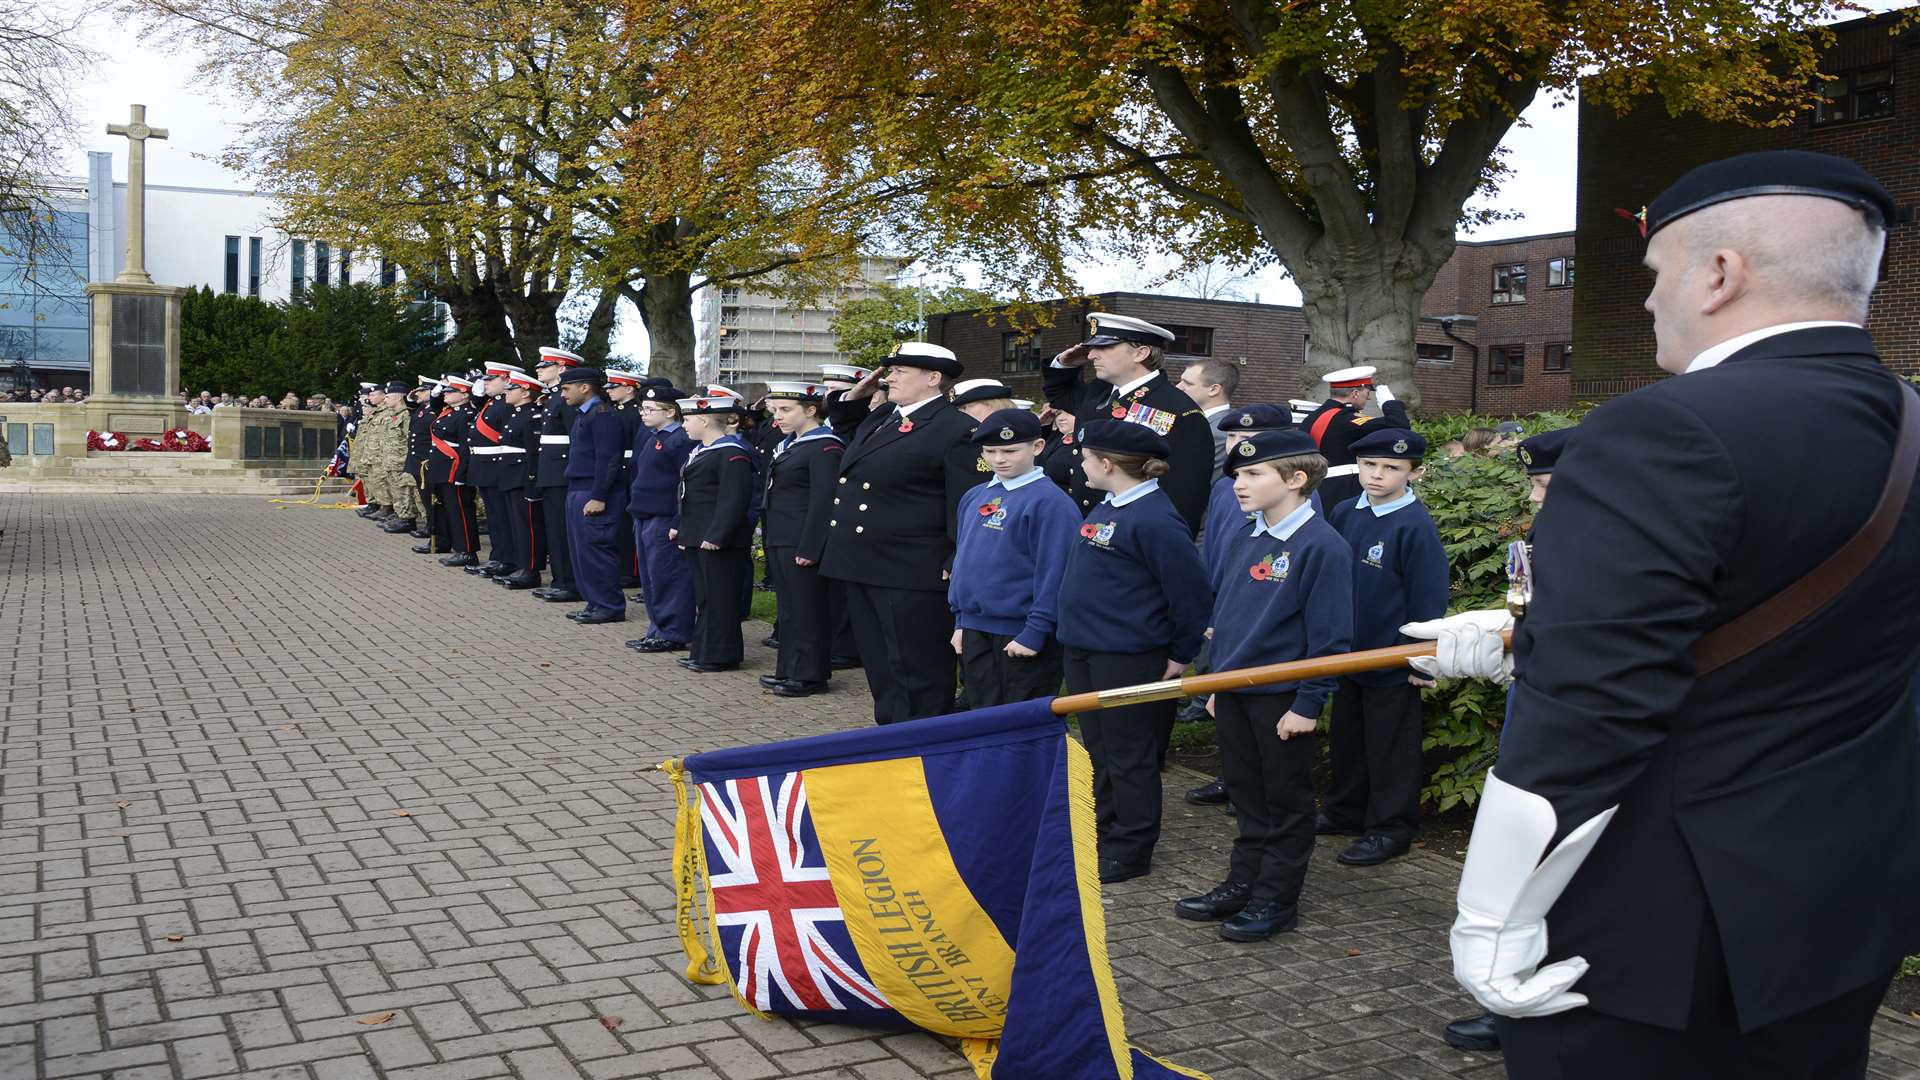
[
  {"x": 867, "y": 329},
  {"x": 1340, "y": 138}
]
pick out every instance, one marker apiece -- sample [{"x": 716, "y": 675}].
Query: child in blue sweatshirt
[
  {"x": 1133, "y": 604},
  {"x": 1283, "y": 591},
  {"x": 1399, "y": 576},
  {"x": 1011, "y": 544}
]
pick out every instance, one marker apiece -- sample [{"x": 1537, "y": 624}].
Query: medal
[{"x": 1519, "y": 578}]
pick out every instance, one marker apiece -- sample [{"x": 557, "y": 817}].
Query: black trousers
[
  {"x": 1827, "y": 1042},
  {"x": 905, "y": 637},
  {"x": 1125, "y": 745},
  {"x": 804, "y": 622},
  {"x": 844, "y": 644},
  {"x": 1270, "y": 784},
  {"x": 436, "y": 523},
  {"x": 1375, "y": 749},
  {"x": 994, "y": 678},
  {"x": 629, "y": 553},
  {"x": 516, "y": 526},
  {"x": 499, "y": 526},
  {"x": 459, "y": 517},
  {"x": 720, "y": 578},
  {"x": 553, "y": 510}
]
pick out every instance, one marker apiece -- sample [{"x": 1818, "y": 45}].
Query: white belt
[
  {"x": 1343, "y": 470},
  {"x": 549, "y": 440},
  {"x": 484, "y": 451}
]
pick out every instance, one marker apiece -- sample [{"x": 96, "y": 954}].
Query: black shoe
[
  {"x": 420, "y": 534},
  {"x": 799, "y": 689},
  {"x": 561, "y": 596},
  {"x": 1473, "y": 1033},
  {"x": 398, "y": 525},
  {"x": 1194, "y": 711},
  {"x": 1113, "y": 871},
  {"x": 1326, "y": 826},
  {"x": 771, "y": 641},
  {"x": 458, "y": 559},
  {"x": 1209, "y": 794},
  {"x": 629, "y": 582},
  {"x": 368, "y": 510},
  {"x": 699, "y": 668},
  {"x": 525, "y": 579},
  {"x": 477, "y": 569},
  {"x": 1373, "y": 850},
  {"x": 656, "y": 644},
  {"x": 843, "y": 663},
  {"x": 772, "y": 681},
  {"x": 1258, "y": 922},
  {"x": 1225, "y": 899},
  {"x": 596, "y": 616},
  {"x": 423, "y": 549},
  {"x": 494, "y": 566},
  {"x": 637, "y": 598},
  {"x": 385, "y": 515}
]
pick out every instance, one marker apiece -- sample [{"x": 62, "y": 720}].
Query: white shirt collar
[
  {"x": 1216, "y": 410},
  {"x": 1138, "y": 491},
  {"x": 1287, "y": 526},
  {"x": 1018, "y": 482},
  {"x": 1715, "y": 355},
  {"x": 909, "y": 410},
  {"x": 1128, "y": 388},
  {"x": 1406, "y": 499}
]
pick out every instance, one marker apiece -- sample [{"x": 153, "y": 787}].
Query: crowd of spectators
[
  {"x": 55, "y": 396},
  {"x": 204, "y": 402}
]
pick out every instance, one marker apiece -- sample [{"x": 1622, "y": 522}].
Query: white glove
[
  {"x": 1382, "y": 392},
  {"x": 1500, "y": 933},
  {"x": 1466, "y": 646}
]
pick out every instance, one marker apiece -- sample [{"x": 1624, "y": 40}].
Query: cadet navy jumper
[
  {"x": 1134, "y": 582},
  {"x": 1284, "y": 593},
  {"x": 594, "y": 463},
  {"x": 1013, "y": 539},
  {"x": 1399, "y": 575},
  {"x": 658, "y": 457},
  {"x": 1226, "y": 522}
]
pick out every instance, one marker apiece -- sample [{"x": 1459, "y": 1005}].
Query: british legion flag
[{"x": 781, "y": 929}]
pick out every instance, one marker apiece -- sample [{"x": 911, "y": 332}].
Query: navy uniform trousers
[
  {"x": 666, "y": 580},
  {"x": 1125, "y": 745},
  {"x": 1270, "y": 782},
  {"x": 459, "y": 518},
  {"x": 803, "y": 620},
  {"x": 500, "y": 509},
  {"x": 905, "y": 638},
  {"x": 595, "y": 548},
  {"x": 558, "y": 533},
  {"x": 994, "y": 678},
  {"x": 720, "y": 579},
  {"x": 1377, "y": 768}
]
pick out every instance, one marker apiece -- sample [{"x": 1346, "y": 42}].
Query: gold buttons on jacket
[
  {"x": 859, "y": 528},
  {"x": 843, "y": 479},
  {"x": 863, "y": 507},
  {"x": 864, "y": 487}
]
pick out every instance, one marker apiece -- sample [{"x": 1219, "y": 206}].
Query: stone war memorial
[{"x": 134, "y": 358}]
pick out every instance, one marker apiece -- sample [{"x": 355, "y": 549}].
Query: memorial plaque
[
  {"x": 290, "y": 439},
  {"x": 273, "y": 442},
  {"x": 136, "y": 424},
  {"x": 310, "y": 443},
  {"x": 43, "y": 440},
  {"x": 250, "y": 444},
  {"x": 139, "y": 347}
]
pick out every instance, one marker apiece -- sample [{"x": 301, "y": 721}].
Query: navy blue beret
[
  {"x": 1542, "y": 452},
  {"x": 1271, "y": 446},
  {"x": 1122, "y": 437},
  {"x": 664, "y": 392},
  {"x": 1390, "y": 443},
  {"x": 1772, "y": 172},
  {"x": 1006, "y": 427},
  {"x": 591, "y": 375},
  {"x": 1256, "y": 418}
]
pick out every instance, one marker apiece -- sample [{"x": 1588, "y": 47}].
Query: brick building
[
  {"x": 1626, "y": 160},
  {"x": 1472, "y": 318}
]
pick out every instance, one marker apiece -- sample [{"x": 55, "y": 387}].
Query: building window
[
  {"x": 1510, "y": 284},
  {"x": 346, "y": 266},
  {"x": 1433, "y": 354},
  {"x": 299, "y": 267},
  {"x": 1559, "y": 273},
  {"x": 1506, "y": 365},
  {"x": 1866, "y": 94},
  {"x": 1019, "y": 352},
  {"x": 253, "y": 266},
  {"x": 388, "y": 273},
  {"x": 1557, "y": 357},
  {"x": 233, "y": 264},
  {"x": 322, "y": 263},
  {"x": 1191, "y": 341}
]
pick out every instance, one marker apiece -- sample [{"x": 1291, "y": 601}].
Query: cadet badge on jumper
[
  {"x": 1376, "y": 552},
  {"x": 995, "y": 514},
  {"x": 1104, "y": 535},
  {"x": 1270, "y": 568}
]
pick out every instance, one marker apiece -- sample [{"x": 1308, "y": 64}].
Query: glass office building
[{"x": 43, "y": 297}]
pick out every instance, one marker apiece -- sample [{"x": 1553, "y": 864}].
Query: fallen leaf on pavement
[
  {"x": 377, "y": 1018},
  {"x": 176, "y": 937},
  {"x": 1353, "y": 952},
  {"x": 124, "y": 804},
  {"x": 402, "y": 813},
  {"x": 611, "y": 1022}
]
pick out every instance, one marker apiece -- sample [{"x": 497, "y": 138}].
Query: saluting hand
[
  {"x": 1073, "y": 355},
  {"x": 868, "y": 385},
  {"x": 1294, "y": 724}
]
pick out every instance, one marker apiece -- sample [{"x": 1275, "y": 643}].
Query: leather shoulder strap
[{"x": 1794, "y": 604}]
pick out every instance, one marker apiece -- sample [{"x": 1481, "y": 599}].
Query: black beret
[
  {"x": 396, "y": 387},
  {"x": 1772, "y": 172},
  {"x": 1006, "y": 427},
  {"x": 1122, "y": 437},
  {"x": 1252, "y": 418},
  {"x": 1390, "y": 443},
  {"x": 591, "y": 375},
  {"x": 664, "y": 392},
  {"x": 656, "y": 380},
  {"x": 1271, "y": 446},
  {"x": 1542, "y": 452}
]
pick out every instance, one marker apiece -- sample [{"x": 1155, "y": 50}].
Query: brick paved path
[{"x": 233, "y": 726}]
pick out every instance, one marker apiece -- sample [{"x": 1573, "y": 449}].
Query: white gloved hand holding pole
[{"x": 1466, "y": 646}]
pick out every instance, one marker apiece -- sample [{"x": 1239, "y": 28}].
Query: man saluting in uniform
[
  {"x": 1126, "y": 355},
  {"x": 1338, "y": 422},
  {"x": 1699, "y": 854}
]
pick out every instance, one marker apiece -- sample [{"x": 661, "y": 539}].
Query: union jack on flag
[
  {"x": 338, "y": 466},
  {"x": 780, "y": 926}
]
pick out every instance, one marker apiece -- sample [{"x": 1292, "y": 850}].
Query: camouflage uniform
[
  {"x": 394, "y": 420},
  {"x": 364, "y": 458}
]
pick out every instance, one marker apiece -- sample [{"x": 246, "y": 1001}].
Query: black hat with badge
[
  {"x": 663, "y": 392},
  {"x": 1109, "y": 329},
  {"x": 1542, "y": 452},
  {"x": 1121, "y": 437},
  {"x": 590, "y": 375},
  {"x": 1771, "y": 172},
  {"x": 396, "y": 387},
  {"x": 1390, "y": 443},
  {"x": 1007, "y": 427},
  {"x": 1271, "y": 446},
  {"x": 1252, "y": 418}
]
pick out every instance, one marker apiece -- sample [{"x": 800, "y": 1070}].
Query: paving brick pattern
[{"x": 280, "y": 800}]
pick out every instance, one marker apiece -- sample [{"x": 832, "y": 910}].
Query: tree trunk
[
  {"x": 536, "y": 321},
  {"x": 600, "y": 322},
  {"x": 480, "y": 324},
  {"x": 1359, "y": 314},
  {"x": 666, "y": 307}
]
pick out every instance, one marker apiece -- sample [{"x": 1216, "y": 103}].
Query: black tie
[{"x": 1113, "y": 399}]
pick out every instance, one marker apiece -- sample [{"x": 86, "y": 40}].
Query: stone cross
[{"x": 137, "y": 133}]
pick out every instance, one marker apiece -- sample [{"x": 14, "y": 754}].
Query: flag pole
[{"x": 1318, "y": 667}]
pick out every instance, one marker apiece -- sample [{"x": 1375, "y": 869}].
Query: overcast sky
[{"x": 202, "y": 120}]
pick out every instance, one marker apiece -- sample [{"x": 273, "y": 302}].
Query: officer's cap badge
[
  {"x": 1006, "y": 433},
  {"x": 1400, "y": 446},
  {"x": 1526, "y": 457},
  {"x": 1247, "y": 449},
  {"x": 1246, "y": 420}
]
